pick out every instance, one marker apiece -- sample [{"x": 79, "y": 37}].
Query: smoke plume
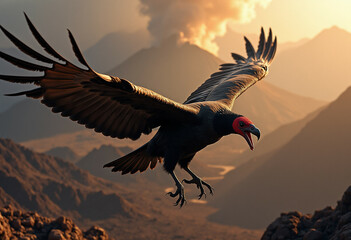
[{"x": 197, "y": 21}]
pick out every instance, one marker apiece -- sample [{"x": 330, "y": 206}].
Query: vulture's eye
[{"x": 241, "y": 124}]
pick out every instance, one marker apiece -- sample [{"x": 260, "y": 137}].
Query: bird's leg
[
  {"x": 199, "y": 182},
  {"x": 180, "y": 191}
]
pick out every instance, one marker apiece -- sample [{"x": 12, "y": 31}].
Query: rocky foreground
[
  {"x": 15, "y": 224},
  {"x": 329, "y": 223}
]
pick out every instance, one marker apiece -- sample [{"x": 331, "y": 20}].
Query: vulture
[{"x": 117, "y": 108}]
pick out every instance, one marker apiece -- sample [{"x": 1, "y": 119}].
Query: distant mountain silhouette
[
  {"x": 308, "y": 172},
  {"x": 94, "y": 161},
  {"x": 317, "y": 68},
  {"x": 29, "y": 119},
  {"x": 292, "y": 45},
  {"x": 234, "y": 42},
  {"x": 114, "y": 48},
  {"x": 65, "y": 153}
]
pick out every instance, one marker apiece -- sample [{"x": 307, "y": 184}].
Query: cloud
[{"x": 197, "y": 21}]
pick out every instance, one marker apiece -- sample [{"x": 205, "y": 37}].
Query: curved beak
[
  {"x": 247, "y": 134},
  {"x": 255, "y": 131}
]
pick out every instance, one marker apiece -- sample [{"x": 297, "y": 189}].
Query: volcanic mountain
[
  {"x": 114, "y": 48},
  {"x": 317, "y": 68},
  {"x": 307, "y": 173}
]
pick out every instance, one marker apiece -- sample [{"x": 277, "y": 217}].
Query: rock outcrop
[
  {"x": 15, "y": 224},
  {"x": 328, "y": 223}
]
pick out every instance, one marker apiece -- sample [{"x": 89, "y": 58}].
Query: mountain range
[
  {"x": 54, "y": 187},
  {"x": 317, "y": 68},
  {"x": 39, "y": 182},
  {"x": 64, "y": 153},
  {"x": 307, "y": 173}
]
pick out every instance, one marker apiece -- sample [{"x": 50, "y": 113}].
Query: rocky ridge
[
  {"x": 15, "y": 224},
  {"x": 328, "y": 223}
]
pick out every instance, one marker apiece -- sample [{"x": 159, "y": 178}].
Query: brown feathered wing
[{"x": 110, "y": 105}]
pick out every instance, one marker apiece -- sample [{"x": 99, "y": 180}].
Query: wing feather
[
  {"x": 272, "y": 52},
  {"x": 232, "y": 79},
  {"x": 42, "y": 41},
  {"x": 238, "y": 58},
  {"x": 21, "y": 63},
  {"x": 261, "y": 44},
  {"x": 24, "y": 48},
  {"x": 268, "y": 44},
  {"x": 110, "y": 105},
  {"x": 249, "y": 49}
]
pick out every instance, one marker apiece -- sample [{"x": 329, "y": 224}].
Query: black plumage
[{"x": 118, "y": 108}]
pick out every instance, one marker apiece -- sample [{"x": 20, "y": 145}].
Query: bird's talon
[
  {"x": 199, "y": 184},
  {"x": 183, "y": 202},
  {"x": 211, "y": 189},
  {"x": 181, "y": 199},
  {"x": 202, "y": 194}
]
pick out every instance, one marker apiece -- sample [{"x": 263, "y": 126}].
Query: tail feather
[{"x": 138, "y": 160}]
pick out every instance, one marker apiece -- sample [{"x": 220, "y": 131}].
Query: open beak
[{"x": 247, "y": 134}]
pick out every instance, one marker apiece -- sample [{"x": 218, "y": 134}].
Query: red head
[{"x": 244, "y": 127}]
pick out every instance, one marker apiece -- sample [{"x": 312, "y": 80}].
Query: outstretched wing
[
  {"x": 234, "y": 78},
  {"x": 110, "y": 105}
]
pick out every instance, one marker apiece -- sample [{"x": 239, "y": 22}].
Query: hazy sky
[
  {"x": 296, "y": 19},
  {"x": 90, "y": 20}
]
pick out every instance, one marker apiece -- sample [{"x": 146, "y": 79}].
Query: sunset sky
[{"x": 91, "y": 20}]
